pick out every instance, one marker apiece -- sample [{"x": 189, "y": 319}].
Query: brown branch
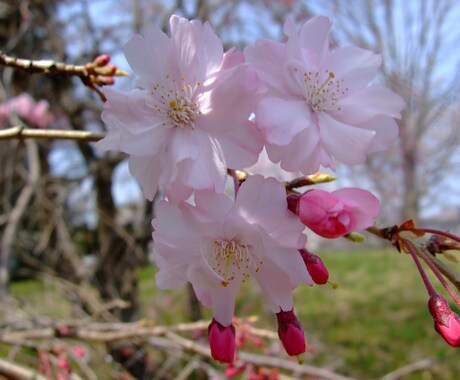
[
  {"x": 14, "y": 371},
  {"x": 413, "y": 367},
  {"x": 16, "y": 215},
  {"x": 18, "y": 132},
  {"x": 92, "y": 74},
  {"x": 309, "y": 180},
  {"x": 111, "y": 332},
  {"x": 261, "y": 360}
]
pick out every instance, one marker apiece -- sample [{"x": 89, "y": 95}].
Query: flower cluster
[
  {"x": 200, "y": 114},
  {"x": 25, "y": 107}
]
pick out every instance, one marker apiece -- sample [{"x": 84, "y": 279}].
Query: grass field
[{"x": 375, "y": 322}]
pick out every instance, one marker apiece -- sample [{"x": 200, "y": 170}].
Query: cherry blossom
[
  {"x": 189, "y": 120},
  {"x": 319, "y": 107},
  {"x": 25, "y": 107},
  {"x": 336, "y": 214},
  {"x": 217, "y": 243}
]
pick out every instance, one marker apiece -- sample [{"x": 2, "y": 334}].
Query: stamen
[
  {"x": 231, "y": 259},
  {"x": 175, "y": 102},
  {"x": 321, "y": 95}
]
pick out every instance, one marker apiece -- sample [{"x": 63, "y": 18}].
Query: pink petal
[
  {"x": 148, "y": 56},
  {"x": 267, "y": 57},
  {"x": 357, "y": 67},
  {"x": 147, "y": 171},
  {"x": 387, "y": 132},
  {"x": 281, "y": 119},
  {"x": 208, "y": 170},
  {"x": 316, "y": 48},
  {"x": 211, "y": 50},
  {"x": 223, "y": 302},
  {"x": 301, "y": 154},
  {"x": 346, "y": 143},
  {"x": 241, "y": 147},
  {"x": 369, "y": 102},
  {"x": 276, "y": 285}
]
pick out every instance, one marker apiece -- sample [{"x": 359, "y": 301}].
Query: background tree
[{"x": 416, "y": 40}]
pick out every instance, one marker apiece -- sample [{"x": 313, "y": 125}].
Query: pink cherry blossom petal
[
  {"x": 369, "y": 102},
  {"x": 346, "y": 143},
  {"x": 282, "y": 119}
]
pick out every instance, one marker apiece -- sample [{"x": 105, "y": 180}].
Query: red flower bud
[
  {"x": 221, "y": 341},
  {"x": 291, "y": 333},
  {"x": 102, "y": 60},
  {"x": 446, "y": 322},
  {"x": 315, "y": 267}
]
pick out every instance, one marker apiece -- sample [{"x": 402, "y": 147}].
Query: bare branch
[
  {"x": 14, "y": 371},
  {"x": 18, "y": 132},
  {"x": 92, "y": 74},
  {"x": 413, "y": 367}
]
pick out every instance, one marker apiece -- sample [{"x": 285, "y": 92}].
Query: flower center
[
  {"x": 321, "y": 90},
  {"x": 175, "y": 103},
  {"x": 231, "y": 259}
]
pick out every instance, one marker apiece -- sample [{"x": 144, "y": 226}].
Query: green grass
[{"x": 375, "y": 322}]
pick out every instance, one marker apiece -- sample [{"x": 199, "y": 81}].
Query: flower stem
[
  {"x": 440, "y": 277},
  {"x": 414, "y": 253},
  {"x": 236, "y": 181}
]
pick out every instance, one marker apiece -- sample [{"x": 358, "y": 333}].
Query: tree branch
[
  {"x": 18, "y": 132},
  {"x": 92, "y": 74}
]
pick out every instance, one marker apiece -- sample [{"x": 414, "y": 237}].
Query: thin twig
[
  {"x": 16, "y": 214},
  {"x": 18, "y": 132},
  {"x": 413, "y": 367},
  {"x": 92, "y": 74},
  {"x": 14, "y": 371}
]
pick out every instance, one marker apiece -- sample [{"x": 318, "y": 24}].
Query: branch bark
[{"x": 19, "y": 132}]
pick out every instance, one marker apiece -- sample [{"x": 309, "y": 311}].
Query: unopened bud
[
  {"x": 104, "y": 81},
  {"x": 315, "y": 267},
  {"x": 102, "y": 60},
  {"x": 107, "y": 70},
  {"x": 446, "y": 322},
  {"x": 291, "y": 333},
  {"x": 222, "y": 341}
]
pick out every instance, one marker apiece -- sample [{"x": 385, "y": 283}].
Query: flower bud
[
  {"x": 291, "y": 333},
  {"x": 336, "y": 214},
  {"x": 221, "y": 341},
  {"x": 315, "y": 267},
  {"x": 446, "y": 322},
  {"x": 102, "y": 60}
]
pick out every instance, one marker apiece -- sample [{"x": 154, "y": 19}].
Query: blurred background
[{"x": 75, "y": 230}]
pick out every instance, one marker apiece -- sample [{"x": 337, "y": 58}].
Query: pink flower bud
[
  {"x": 104, "y": 81},
  {"x": 102, "y": 60},
  {"x": 291, "y": 333},
  {"x": 446, "y": 322},
  {"x": 221, "y": 341},
  {"x": 315, "y": 267},
  {"x": 335, "y": 214}
]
